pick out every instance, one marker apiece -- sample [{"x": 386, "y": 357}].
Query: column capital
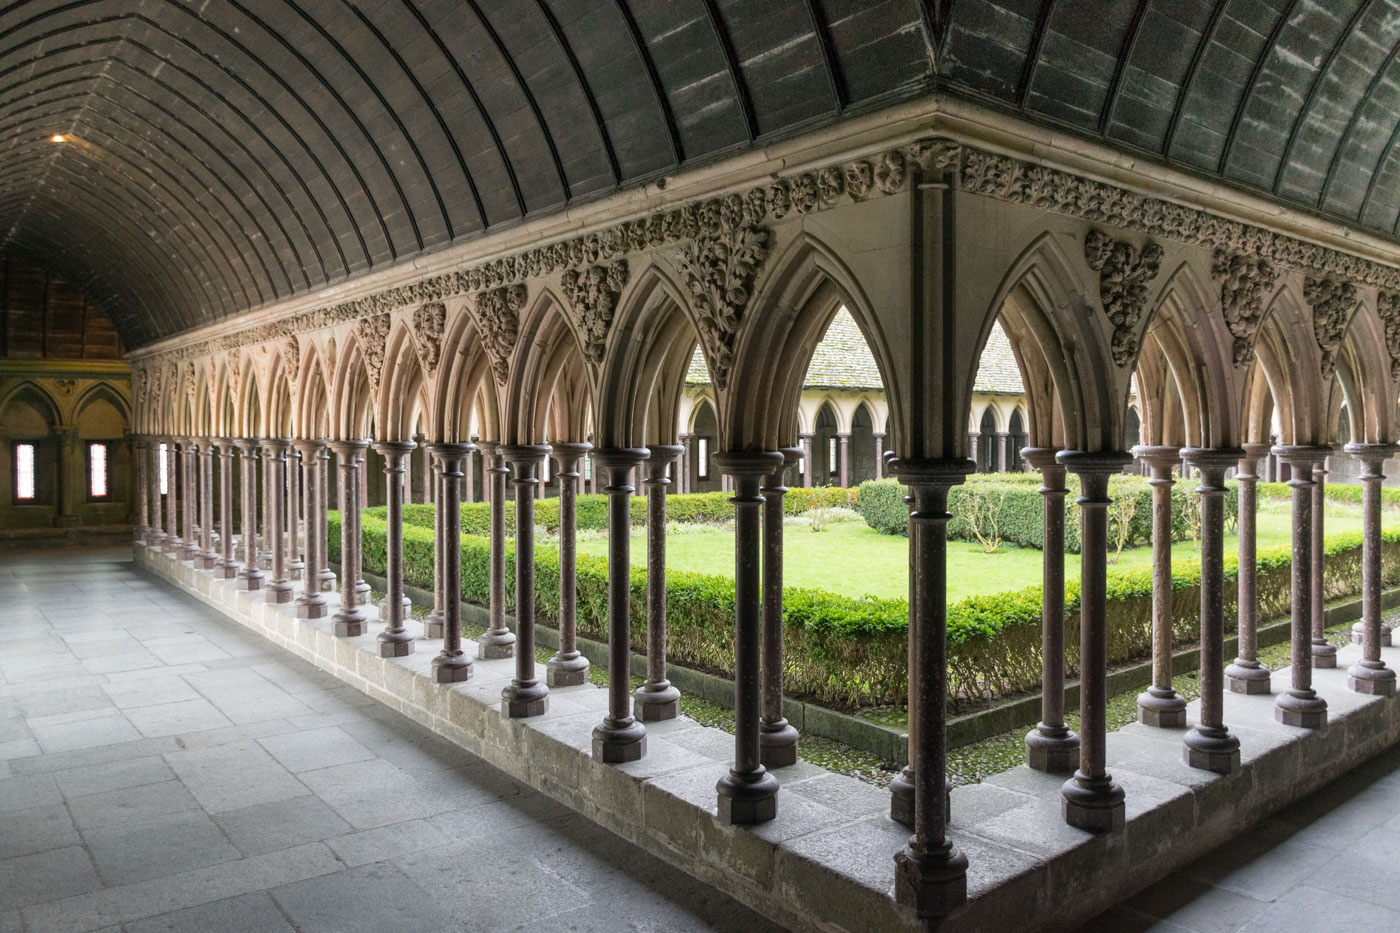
[
  {"x": 487, "y": 447},
  {"x": 524, "y": 453},
  {"x": 350, "y": 448},
  {"x": 276, "y": 445},
  {"x": 225, "y": 444},
  {"x": 248, "y": 446},
  {"x": 1206, "y": 457},
  {"x": 942, "y": 471},
  {"x": 1253, "y": 453},
  {"x": 1302, "y": 455},
  {"x": 617, "y": 461},
  {"x": 1041, "y": 458},
  {"x": 309, "y": 447},
  {"x": 757, "y": 463},
  {"x": 1159, "y": 455},
  {"x": 393, "y": 453},
  {"x": 1373, "y": 455},
  {"x": 569, "y": 453},
  {"x": 660, "y": 458},
  {"x": 450, "y": 456},
  {"x": 1095, "y": 462}
]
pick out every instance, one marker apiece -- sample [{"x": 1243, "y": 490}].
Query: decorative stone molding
[
  {"x": 330, "y": 357},
  {"x": 1388, "y": 306},
  {"x": 1124, "y": 274},
  {"x": 291, "y": 357},
  {"x": 235, "y": 374},
  {"x": 719, "y": 271},
  {"x": 373, "y": 335},
  {"x": 429, "y": 322},
  {"x": 1244, "y": 281},
  {"x": 1332, "y": 305},
  {"x": 592, "y": 294},
  {"x": 498, "y": 318}
]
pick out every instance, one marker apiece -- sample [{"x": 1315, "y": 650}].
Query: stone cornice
[{"x": 743, "y": 211}]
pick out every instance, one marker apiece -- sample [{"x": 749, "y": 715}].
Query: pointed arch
[
  {"x": 464, "y": 385},
  {"x": 402, "y": 388},
  {"x": 546, "y": 346}
]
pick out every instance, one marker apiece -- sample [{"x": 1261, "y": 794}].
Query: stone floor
[
  {"x": 161, "y": 769},
  {"x": 1329, "y": 862}
]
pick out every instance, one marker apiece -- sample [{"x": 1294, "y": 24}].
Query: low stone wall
[{"x": 826, "y": 862}]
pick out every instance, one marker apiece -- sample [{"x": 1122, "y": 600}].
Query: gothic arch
[{"x": 546, "y": 345}]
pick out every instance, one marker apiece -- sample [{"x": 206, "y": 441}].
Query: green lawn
[{"x": 854, "y": 560}]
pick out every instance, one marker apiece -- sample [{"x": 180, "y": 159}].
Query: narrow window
[
  {"x": 831, "y": 454},
  {"x": 702, "y": 458},
  {"x": 24, "y": 473},
  {"x": 97, "y": 471},
  {"x": 161, "y": 470}
]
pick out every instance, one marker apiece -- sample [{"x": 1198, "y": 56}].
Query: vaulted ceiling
[{"x": 230, "y": 153}]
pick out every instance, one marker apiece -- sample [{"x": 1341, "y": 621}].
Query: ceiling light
[{"x": 58, "y": 138}]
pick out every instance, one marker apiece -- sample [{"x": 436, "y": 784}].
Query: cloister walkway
[{"x": 163, "y": 769}]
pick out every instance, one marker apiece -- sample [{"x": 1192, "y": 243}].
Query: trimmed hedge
[
  {"x": 853, "y": 652},
  {"x": 1018, "y": 506},
  {"x": 592, "y": 510},
  {"x": 1335, "y": 492}
]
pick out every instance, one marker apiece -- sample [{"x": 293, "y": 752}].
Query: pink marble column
[
  {"x": 777, "y": 738},
  {"x": 395, "y": 641},
  {"x": 1160, "y": 705},
  {"x": 526, "y": 695},
  {"x": 1300, "y": 705},
  {"x": 207, "y": 556},
  {"x": 280, "y": 589},
  {"x": 251, "y": 576},
  {"x": 452, "y": 665},
  {"x": 1324, "y": 653},
  {"x": 1246, "y": 675},
  {"x": 497, "y": 641},
  {"x": 312, "y": 604},
  {"x": 227, "y": 567},
  {"x": 1051, "y": 746},
  {"x": 568, "y": 667},
  {"x": 349, "y": 619},
  {"x": 139, "y": 444},
  {"x": 1370, "y": 675}
]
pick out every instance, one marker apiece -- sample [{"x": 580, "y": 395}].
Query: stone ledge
[{"x": 826, "y": 863}]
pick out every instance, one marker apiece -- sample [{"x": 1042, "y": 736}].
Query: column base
[
  {"x": 1358, "y": 634},
  {"x": 265, "y": 561},
  {"x": 616, "y": 741},
  {"x": 226, "y": 570},
  {"x": 902, "y": 798},
  {"x": 383, "y": 607},
  {"x": 658, "y": 702},
  {"x": 279, "y": 593},
  {"x": 933, "y": 883},
  {"x": 362, "y": 592},
  {"x": 434, "y": 626},
  {"x": 777, "y": 744},
  {"x": 313, "y": 606},
  {"x": 350, "y": 623},
  {"x": 1371, "y": 678},
  {"x": 189, "y": 552},
  {"x": 747, "y": 799},
  {"x": 1324, "y": 655},
  {"x": 1301, "y": 708},
  {"x": 395, "y": 644},
  {"x": 295, "y": 569},
  {"x": 1052, "y": 749},
  {"x": 1212, "y": 748},
  {"x": 1248, "y": 677},
  {"x": 452, "y": 668},
  {"x": 327, "y": 578},
  {"x": 1092, "y": 804},
  {"x": 569, "y": 670},
  {"x": 493, "y": 646},
  {"x": 1161, "y": 708},
  {"x": 251, "y": 580},
  {"x": 206, "y": 561},
  {"x": 521, "y": 701}
]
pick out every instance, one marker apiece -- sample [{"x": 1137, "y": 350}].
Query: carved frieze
[
  {"x": 373, "y": 336},
  {"x": 1332, "y": 304},
  {"x": 719, "y": 272},
  {"x": 497, "y": 314},
  {"x": 291, "y": 358},
  {"x": 592, "y": 293},
  {"x": 429, "y": 322},
  {"x": 1244, "y": 281},
  {"x": 1124, "y": 274},
  {"x": 1388, "y": 305}
]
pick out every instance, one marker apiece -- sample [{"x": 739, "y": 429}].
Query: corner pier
[{"x": 825, "y": 862}]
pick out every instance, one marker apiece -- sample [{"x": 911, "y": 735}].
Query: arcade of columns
[{"x": 1226, "y": 321}]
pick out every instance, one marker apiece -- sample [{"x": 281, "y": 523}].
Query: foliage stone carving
[
  {"x": 429, "y": 322},
  {"x": 592, "y": 293},
  {"x": 719, "y": 271},
  {"x": 498, "y": 318},
  {"x": 1124, "y": 274},
  {"x": 1244, "y": 281},
  {"x": 373, "y": 335},
  {"x": 1332, "y": 303},
  {"x": 1388, "y": 305}
]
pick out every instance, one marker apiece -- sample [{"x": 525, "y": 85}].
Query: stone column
[
  {"x": 619, "y": 737},
  {"x": 155, "y": 536},
  {"x": 1003, "y": 443},
  {"x": 683, "y": 464},
  {"x": 326, "y": 576},
  {"x": 1160, "y": 705},
  {"x": 497, "y": 641},
  {"x": 1324, "y": 653},
  {"x": 173, "y": 542},
  {"x": 433, "y": 625},
  {"x": 296, "y": 566},
  {"x": 360, "y": 491},
  {"x": 568, "y": 667},
  {"x": 207, "y": 557},
  {"x": 1092, "y": 799},
  {"x": 1300, "y": 705},
  {"x": 879, "y": 455},
  {"x": 526, "y": 695},
  {"x": 269, "y": 493},
  {"x": 930, "y": 873},
  {"x": 1370, "y": 675},
  {"x": 657, "y": 699},
  {"x": 1246, "y": 675},
  {"x": 805, "y": 442},
  {"x": 138, "y": 451},
  {"x": 227, "y": 567},
  {"x": 1209, "y": 745},
  {"x": 349, "y": 619},
  {"x": 469, "y": 474},
  {"x": 311, "y": 604},
  {"x": 748, "y": 794},
  {"x": 452, "y": 665},
  {"x": 395, "y": 641},
  {"x": 972, "y": 440},
  {"x": 1051, "y": 746},
  {"x": 275, "y": 469},
  {"x": 188, "y": 500},
  {"x": 902, "y": 784},
  {"x": 843, "y": 451},
  {"x": 251, "y": 576},
  {"x": 777, "y": 738}
]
